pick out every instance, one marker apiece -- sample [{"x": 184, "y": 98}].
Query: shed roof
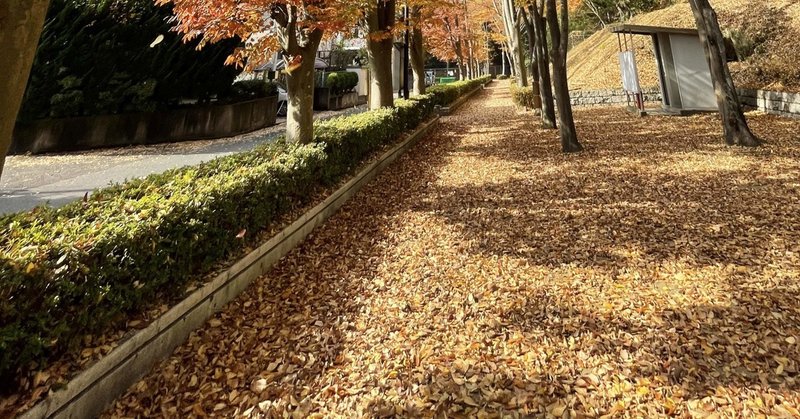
[{"x": 649, "y": 30}]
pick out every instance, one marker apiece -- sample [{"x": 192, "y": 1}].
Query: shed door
[{"x": 694, "y": 77}]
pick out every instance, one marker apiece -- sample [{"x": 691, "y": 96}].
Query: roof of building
[{"x": 649, "y": 30}]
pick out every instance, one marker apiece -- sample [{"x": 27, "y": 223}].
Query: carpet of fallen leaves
[{"x": 487, "y": 274}]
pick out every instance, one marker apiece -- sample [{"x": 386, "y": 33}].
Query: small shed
[{"x": 683, "y": 72}]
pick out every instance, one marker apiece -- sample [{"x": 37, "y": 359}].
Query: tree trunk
[
  {"x": 417, "y": 56},
  {"x": 503, "y": 58},
  {"x": 734, "y": 124},
  {"x": 379, "y": 50},
  {"x": 511, "y": 25},
  {"x": 300, "y": 94},
  {"x": 511, "y": 64},
  {"x": 21, "y": 23},
  {"x": 534, "y": 68},
  {"x": 543, "y": 62},
  {"x": 559, "y": 33}
]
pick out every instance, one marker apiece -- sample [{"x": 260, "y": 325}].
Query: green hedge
[
  {"x": 342, "y": 81},
  {"x": 75, "y": 270},
  {"x": 445, "y": 94},
  {"x": 522, "y": 96}
]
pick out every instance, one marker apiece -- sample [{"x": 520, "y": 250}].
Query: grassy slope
[{"x": 593, "y": 64}]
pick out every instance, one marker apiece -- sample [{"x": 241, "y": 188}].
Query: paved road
[{"x": 58, "y": 179}]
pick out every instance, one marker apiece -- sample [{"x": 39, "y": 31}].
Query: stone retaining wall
[
  {"x": 608, "y": 97},
  {"x": 194, "y": 123},
  {"x": 778, "y": 103}
]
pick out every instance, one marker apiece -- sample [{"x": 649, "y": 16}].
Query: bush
[
  {"x": 502, "y": 77},
  {"x": 445, "y": 94},
  {"x": 75, "y": 270},
  {"x": 341, "y": 81},
  {"x": 522, "y": 96},
  {"x": 252, "y": 89}
]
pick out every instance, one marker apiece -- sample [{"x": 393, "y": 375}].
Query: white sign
[{"x": 630, "y": 74}]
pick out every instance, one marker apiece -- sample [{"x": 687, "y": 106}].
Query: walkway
[
  {"x": 58, "y": 179},
  {"x": 654, "y": 274}
]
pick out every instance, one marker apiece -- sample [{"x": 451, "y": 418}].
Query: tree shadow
[
  {"x": 600, "y": 216},
  {"x": 693, "y": 350}
]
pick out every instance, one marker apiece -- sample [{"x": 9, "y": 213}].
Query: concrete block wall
[
  {"x": 778, "y": 103},
  {"x": 608, "y": 97}
]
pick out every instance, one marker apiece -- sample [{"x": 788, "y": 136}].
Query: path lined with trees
[{"x": 656, "y": 273}]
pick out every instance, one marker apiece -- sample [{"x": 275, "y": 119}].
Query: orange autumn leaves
[
  {"x": 451, "y": 27},
  {"x": 263, "y": 25}
]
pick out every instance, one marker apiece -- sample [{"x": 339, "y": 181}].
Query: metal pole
[{"x": 405, "y": 53}]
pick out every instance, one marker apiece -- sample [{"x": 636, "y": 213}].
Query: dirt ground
[{"x": 487, "y": 274}]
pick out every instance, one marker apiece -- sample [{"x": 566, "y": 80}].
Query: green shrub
[
  {"x": 252, "y": 89},
  {"x": 445, "y": 94},
  {"x": 502, "y": 77},
  {"x": 75, "y": 270},
  {"x": 341, "y": 81},
  {"x": 522, "y": 96}
]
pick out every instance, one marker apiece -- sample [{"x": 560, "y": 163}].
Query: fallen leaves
[{"x": 487, "y": 274}]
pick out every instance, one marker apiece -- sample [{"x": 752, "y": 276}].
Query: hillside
[{"x": 772, "y": 27}]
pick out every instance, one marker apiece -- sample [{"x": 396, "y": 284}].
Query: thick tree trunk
[
  {"x": 734, "y": 124},
  {"x": 417, "y": 56},
  {"x": 543, "y": 63},
  {"x": 379, "y": 50},
  {"x": 21, "y": 23},
  {"x": 300, "y": 96},
  {"x": 559, "y": 33}
]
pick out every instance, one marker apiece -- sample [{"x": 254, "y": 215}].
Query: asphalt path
[{"x": 57, "y": 179}]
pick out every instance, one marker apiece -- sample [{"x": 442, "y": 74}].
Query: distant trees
[
  {"x": 605, "y": 12},
  {"x": 455, "y": 31},
  {"x": 540, "y": 17}
]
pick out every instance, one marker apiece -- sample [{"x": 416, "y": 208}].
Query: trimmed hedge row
[
  {"x": 448, "y": 93},
  {"x": 75, "y": 270}
]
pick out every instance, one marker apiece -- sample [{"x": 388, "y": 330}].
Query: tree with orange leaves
[
  {"x": 293, "y": 28},
  {"x": 456, "y": 31}
]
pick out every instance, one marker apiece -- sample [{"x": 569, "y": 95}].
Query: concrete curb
[
  {"x": 462, "y": 100},
  {"x": 88, "y": 394}
]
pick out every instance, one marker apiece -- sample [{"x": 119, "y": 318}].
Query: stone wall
[
  {"x": 778, "y": 103},
  {"x": 609, "y": 97}
]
